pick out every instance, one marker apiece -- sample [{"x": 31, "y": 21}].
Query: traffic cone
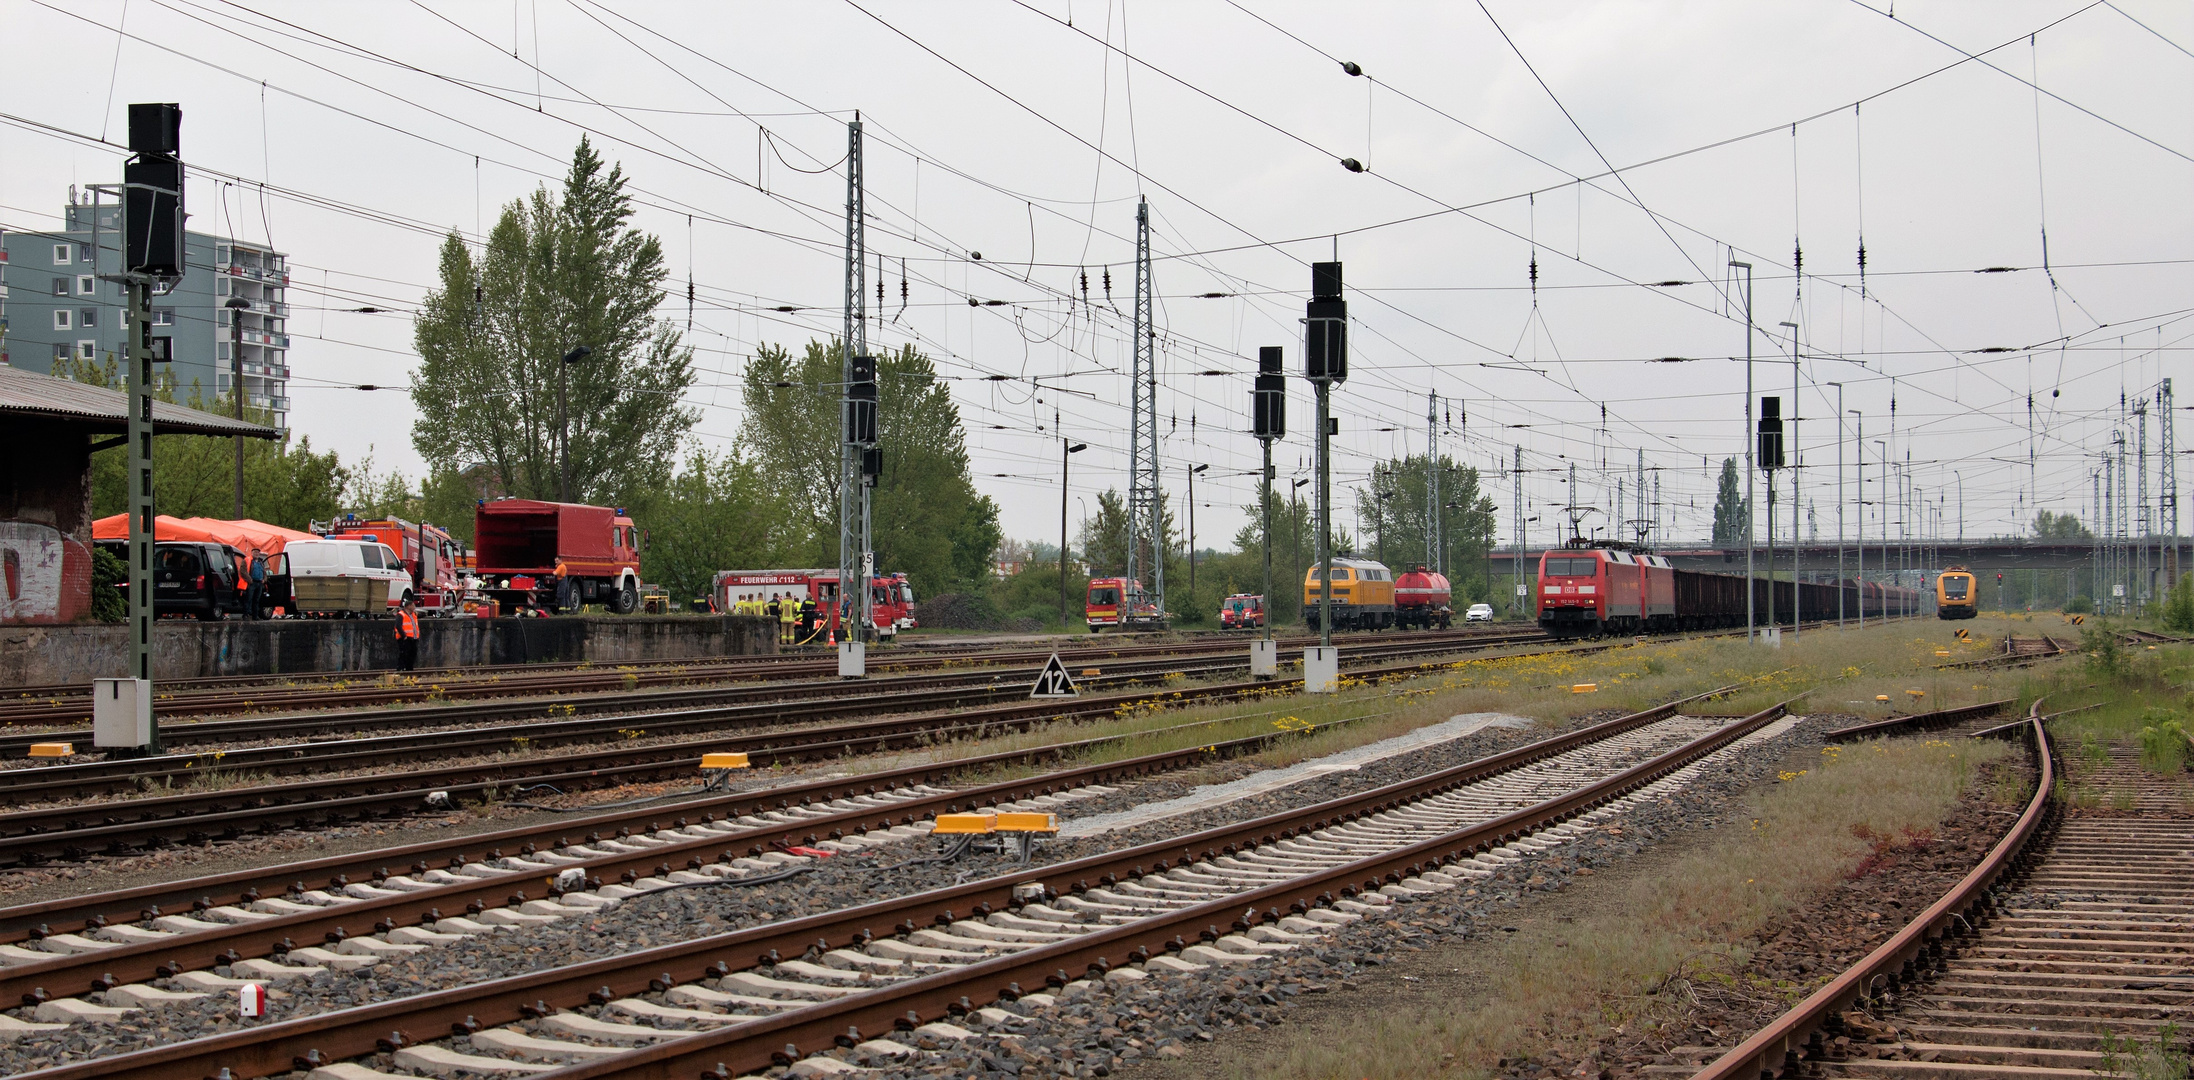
[{"x": 833, "y": 642}]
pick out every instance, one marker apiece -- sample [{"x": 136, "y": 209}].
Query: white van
[{"x": 365, "y": 561}]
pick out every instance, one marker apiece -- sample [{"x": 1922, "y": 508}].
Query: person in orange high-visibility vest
[{"x": 407, "y": 636}]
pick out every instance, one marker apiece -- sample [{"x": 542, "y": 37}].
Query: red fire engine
[
  {"x": 1121, "y": 604},
  {"x": 890, "y": 596},
  {"x": 426, "y": 550}
]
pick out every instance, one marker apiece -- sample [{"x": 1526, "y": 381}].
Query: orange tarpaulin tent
[{"x": 246, "y": 536}]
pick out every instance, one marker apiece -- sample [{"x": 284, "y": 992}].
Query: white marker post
[{"x": 251, "y": 1001}]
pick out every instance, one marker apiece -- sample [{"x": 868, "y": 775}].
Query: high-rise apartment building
[{"x": 55, "y": 307}]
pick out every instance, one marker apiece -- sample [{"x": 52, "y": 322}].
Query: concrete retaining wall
[{"x": 49, "y": 655}]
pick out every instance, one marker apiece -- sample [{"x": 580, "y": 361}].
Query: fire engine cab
[{"x": 890, "y": 596}]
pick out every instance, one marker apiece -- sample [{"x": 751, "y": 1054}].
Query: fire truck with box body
[
  {"x": 556, "y": 556},
  {"x": 891, "y": 597}
]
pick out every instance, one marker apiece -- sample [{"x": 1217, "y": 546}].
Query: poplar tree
[
  {"x": 557, "y": 272},
  {"x": 1729, "y": 506}
]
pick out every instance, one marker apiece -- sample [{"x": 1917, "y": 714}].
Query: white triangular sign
[{"x": 1053, "y": 681}]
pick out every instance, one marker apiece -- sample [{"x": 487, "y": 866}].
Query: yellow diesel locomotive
[
  {"x": 1957, "y": 594},
  {"x": 1363, "y": 595}
]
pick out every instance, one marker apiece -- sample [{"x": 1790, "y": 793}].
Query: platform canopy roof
[{"x": 30, "y": 395}]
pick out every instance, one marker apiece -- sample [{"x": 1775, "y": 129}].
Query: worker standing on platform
[
  {"x": 788, "y": 616},
  {"x": 807, "y": 619},
  {"x": 407, "y": 636},
  {"x": 769, "y": 610}
]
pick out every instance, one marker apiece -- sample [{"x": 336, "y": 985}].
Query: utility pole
[
  {"x": 1516, "y": 499},
  {"x": 1771, "y": 459},
  {"x": 853, "y": 585},
  {"x": 1192, "y": 529},
  {"x": 1797, "y": 487},
  {"x": 152, "y": 246},
  {"x": 1145, "y": 511},
  {"x": 1325, "y": 362},
  {"x": 1858, "y": 455},
  {"x": 1067, "y": 450},
  {"x": 1752, "y": 586},
  {"x": 236, "y": 306},
  {"x": 1839, "y": 504},
  {"x": 2173, "y": 566},
  {"x": 1435, "y": 548},
  {"x": 1268, "y": 416}
]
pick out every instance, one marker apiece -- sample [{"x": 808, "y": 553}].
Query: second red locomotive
[{"x": 1596, "y": 588}]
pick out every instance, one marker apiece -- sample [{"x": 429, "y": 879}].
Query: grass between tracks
[
  {"x": 1690, "y": 922},
  {"x": 1848, "y": 668}
]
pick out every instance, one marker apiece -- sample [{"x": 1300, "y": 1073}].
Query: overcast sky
[{"x": 1025, "y": 132}]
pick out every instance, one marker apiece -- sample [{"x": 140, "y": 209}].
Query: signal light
[
  {"x": 1269, "y": 398},
  {"x": 152, "y": 192},
  {"x": 1325, "y": 327},
  {"x": 1771, "y": 433},
  {"x": 861, "y": 402}
]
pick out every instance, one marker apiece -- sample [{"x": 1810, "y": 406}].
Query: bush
[
  {"x": 969, "y": 611},
  {"x": 108, "y": 573},
  {"x": 2104, "y": 655},
  {"x": 2163, "y": 743},
  {"x": 2178, "y": 607}
]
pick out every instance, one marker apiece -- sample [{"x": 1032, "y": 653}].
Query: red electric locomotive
[{"x": 1596, "y": 588}]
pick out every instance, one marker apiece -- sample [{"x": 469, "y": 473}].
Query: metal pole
[
  {"x": 1858, "y": 454},
  {"x": 1751, "y": 466},
  {"x": 1797, "y": 487},
  {"x": 1325, "y": 518},
  {"x": 563, "y": 446},
  {"x": 139, "y": 349},
  {"x": 1063, "y": 461},
  {"x": 852, "y": 498},
  {"x": 1265, "y": 603},
  {"x": 1839, "y": 504},
  {"x": 236, "y": 307}
]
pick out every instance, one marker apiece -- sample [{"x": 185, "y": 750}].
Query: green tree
[
  {"x": 1394, "y": 522},
  {"x": 556, "y": 273},
  {"x": 195, "y": 475},
  {"x": 2051, "y": 526},
  {"x": 927, "y": 520},
  {"x": 715, "y": 514},
  {"x": 1294, "y": 547},
  {"x": 1731, "y": 514},
  {"x": 2178, "y": 607}
]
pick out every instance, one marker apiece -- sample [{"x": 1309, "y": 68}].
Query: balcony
[
  {"x": 253, "y": 273},
  {"x": 261, "y": 337},
  {"x": 269, "y": 308},
  {"x": 266, "y": 371},
  {"x": 271, "y": 404}
]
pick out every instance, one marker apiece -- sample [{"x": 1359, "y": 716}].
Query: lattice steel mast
[
  {"x": 852, "y": 526},
  {"x": 1145, "y": 517}
]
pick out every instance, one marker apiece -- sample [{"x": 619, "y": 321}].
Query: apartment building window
[
  {"x": 220, "y": 254},
  {"x": 61, "y": 352},
  {"x": 60, "y": 286},
  {"x": 62, "y": 254},
  {"x": 88, "y": 350},
  {"x": 63, "y": 319},
  {"x": 85, "y": 253},
  {"x": 86, "y": 285},
  {"x": 163, "y": 316},
  {"x": 87, "y": 317}
]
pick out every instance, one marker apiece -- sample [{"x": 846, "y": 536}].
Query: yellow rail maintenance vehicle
[
  {"x": 1957, "y": 594},
  {"x": 1363, "y": 595}
]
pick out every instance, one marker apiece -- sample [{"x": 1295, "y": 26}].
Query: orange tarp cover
[{"x": 246, "y": 536}]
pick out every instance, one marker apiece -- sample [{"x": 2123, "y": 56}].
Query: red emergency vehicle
[
  {"x": 427, "y": 552},
  {"x": 1423, "y": 599},
  {"x": 557, "y": 556},
  {"x": 1120, "y": 603},
  {"x": 1242, "y": 611},
  {"x": 890, "y": 596}
]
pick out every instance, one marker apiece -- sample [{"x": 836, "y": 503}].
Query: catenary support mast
[{"x": 1146, "y": 501}]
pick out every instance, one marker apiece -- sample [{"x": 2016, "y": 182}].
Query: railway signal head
[
  {"x": 1771, "y": 433},
  {"x": 1325, "y": 326},
  {"x": 1269, "y": 398}
]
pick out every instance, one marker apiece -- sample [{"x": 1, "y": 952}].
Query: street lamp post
[
  {"x": 1192, "y": 531},
  {"x": 1858, "y": 454},
  {"x": 563, "y": 424},
  {"x": 1066, "y": 449},
  {"x": 1797, "y": 604},
  {"x": 1839, "y": 504},
  {"x": 1751, "y": 585},
  {"x": 1883, "y": 448},
  {"x": 237, "y": 305}
]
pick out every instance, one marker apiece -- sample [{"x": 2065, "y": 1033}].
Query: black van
[{"x": 190, "y": 577}]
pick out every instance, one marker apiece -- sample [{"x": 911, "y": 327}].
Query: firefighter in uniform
[
  {"x": 407, "y": 636},
  {"x": 788, "y": 614},
  {"x": 769, "y": 610},
  {"x": 807, "y": 619}
]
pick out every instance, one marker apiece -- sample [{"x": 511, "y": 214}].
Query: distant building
[{"x": 54, "y": 307}]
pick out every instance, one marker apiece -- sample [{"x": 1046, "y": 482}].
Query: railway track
[
  {"x": 72, "y": 704},
  {"x": 981, "y": 952},
  {"x": 2018, "y": 651},
  {"x": 2063, "y": 954},
  {"x": 119, "y": 826}
]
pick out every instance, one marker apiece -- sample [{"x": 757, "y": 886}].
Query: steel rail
[
  {"x": 106, "y": 968},
  {"x": 46, "y": 705},
  {"x": 1928, "y": 721},
  {"x": 1783, "y": 1047},
  {"x": 68, "y": 831},
  {"x": 622, "y": 702},
  {"x": 309, "y": 1041}
]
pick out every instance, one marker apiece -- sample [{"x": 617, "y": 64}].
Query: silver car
[{"x": 1479, "y": 613}]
